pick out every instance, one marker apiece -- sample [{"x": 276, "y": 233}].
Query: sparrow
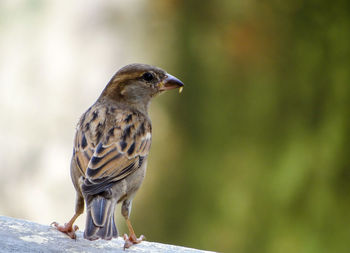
[{"x": 111, "y": 147}]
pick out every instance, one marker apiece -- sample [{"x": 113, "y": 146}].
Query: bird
[{"x": 111, "y": 146}]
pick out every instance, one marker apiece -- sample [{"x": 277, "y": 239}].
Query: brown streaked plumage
[{"x": 111, "y": 146}]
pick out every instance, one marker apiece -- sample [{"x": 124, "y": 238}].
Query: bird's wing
[{"x": 115, "y": 154}]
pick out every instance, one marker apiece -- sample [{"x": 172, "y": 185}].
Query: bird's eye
[{"x": 148, "y": 76}]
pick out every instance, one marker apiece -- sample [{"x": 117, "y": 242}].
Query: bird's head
[{"x": 138, "y": 83}]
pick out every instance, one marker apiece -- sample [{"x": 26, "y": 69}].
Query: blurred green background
[{"x": 252, "y": 157}]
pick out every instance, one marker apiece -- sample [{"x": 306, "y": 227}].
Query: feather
[{"x": 107, "y": 158}]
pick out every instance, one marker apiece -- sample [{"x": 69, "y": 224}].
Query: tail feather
[
  {"x": 100, "y": 210},
  {"x": 109, "y": 230},
  {"x": 100, "y": 219}
]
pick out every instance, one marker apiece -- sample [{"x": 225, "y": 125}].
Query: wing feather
[{"x": 108, "y": 152}]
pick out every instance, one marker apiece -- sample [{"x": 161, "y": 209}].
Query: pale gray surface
[{"x": 24, "y": 236}]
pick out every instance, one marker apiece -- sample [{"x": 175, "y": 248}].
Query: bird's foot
[
  {"x": 67, "y": 229},
  {"x": 131, "y": 240}
]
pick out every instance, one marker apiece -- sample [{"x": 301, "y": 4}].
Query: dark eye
[{"x": 148, "y": 76}]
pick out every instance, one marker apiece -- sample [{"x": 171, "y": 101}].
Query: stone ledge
[{"x": 24, "y": 236}]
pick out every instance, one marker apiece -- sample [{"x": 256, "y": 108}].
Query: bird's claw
[
  {"x": 67, "y": 229},
  {"x": 132, "y": 239}
]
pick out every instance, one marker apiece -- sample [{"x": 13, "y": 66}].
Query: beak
[{"x": 169, "y": 83}]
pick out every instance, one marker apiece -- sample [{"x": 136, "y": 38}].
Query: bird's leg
[
  {"x": 131, "y": 239},
  {"x": 68, "y": 227}
]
